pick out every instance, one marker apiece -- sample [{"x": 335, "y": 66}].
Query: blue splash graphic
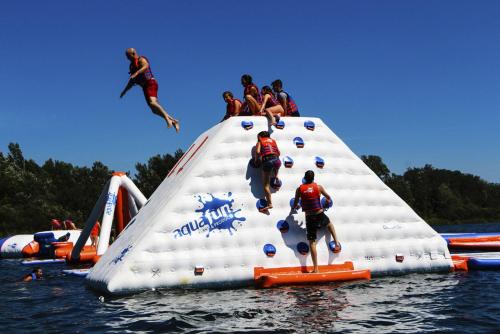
[
  {"x": 122, "y": 255},
  {"x": 216, "y": 214},
  {"x": 110, "y": 203}
]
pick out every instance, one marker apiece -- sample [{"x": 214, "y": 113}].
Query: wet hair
[
  {"x": 278, "y": 83},
  {"x": 309, "y": 176},
  {"x": 264, "y": 134},
  {"x": 36, "y": 269},
  {"x": 228, "y": 93},
  {"x": 266, "y": 89},
  {"x": 247, "y": 78}
]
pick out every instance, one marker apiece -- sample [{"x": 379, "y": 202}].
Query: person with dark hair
[
  {"x": 270, "y": 107},
  {"x": 233, "y": 107},
  {"x": 141, "y": 74},
  {"x": 269, "y": 154},
  {"x": 251, "y": 94},
  {"x": 36, "y": 274},
  {"x": 309, "y": 193},
  {"x": 286, "y": 101}
]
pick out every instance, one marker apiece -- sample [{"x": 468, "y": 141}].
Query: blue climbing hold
[
  {"x": 276, "y": 183},
  {"x": 324, "y": 205},
  {"x": 280, "y": 125},
  {"x": 320, "y": 162},
  {"x": 283, "y": 226},
  {"x": 247, "y": 125},
  {"x": 335, "y": 247},
  {"x": 261, "y": 204},
  {"x": 292, "y": 200},
  {"x": 302, "y": 248},
  {"x": 269, "y": 250},
  {"x": 298, "y": 142},
  {"x": 288, "y": 162},
  {"x": 309, "y": 125}
]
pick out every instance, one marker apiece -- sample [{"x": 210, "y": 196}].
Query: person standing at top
[
  {"x": 309, "y": 193},
  {"x": 233, "y": 106},
  {"x": 141, "y": 74},
  {"x": 251, "y": 94},
  {"x": 270, "y": 107},
  {"x": 268, "y": 152},
  {"x": 286, "y": 101},
  {"x": 94, "y": 234}
]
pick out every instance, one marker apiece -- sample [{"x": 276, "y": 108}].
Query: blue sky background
[{"x": 415, "y": 82}]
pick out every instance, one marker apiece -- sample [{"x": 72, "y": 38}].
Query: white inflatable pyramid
[{"x": 201, "y": 226}]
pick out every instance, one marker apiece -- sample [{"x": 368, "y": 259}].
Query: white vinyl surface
[{"x": 204, "y": 215}]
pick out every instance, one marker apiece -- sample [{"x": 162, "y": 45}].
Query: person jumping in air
[
  {"x": 285, "y": 99},
  {"x": 309, "y": 193},
  {"x": 269, "y": 154},
  {"x": 140, "y": 74},
  {"x": 251, "y": 94},
  {"x": 233, "y": 107},
  {"x": 270, "y": 107}
]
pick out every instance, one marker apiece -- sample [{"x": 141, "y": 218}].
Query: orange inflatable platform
[
  {"x": 269, "y": 277},
  {"x": 487, "y": 243},
  {"x": 86, "y": 255}
]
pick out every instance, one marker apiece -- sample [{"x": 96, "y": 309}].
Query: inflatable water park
[{"x": 207, "y": 225}]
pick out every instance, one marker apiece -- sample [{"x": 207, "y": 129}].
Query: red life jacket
[
  {"x": 95, "y": 230},
  {"x": 271, "y": 102},
  {"x": 143, "y": 77},
  {"x": 291, "y": 107},
  {"x": 231, "y": 107},
  {"x": 247, "y": 91},
  {"x": 310, "y": 197},
  {"x": 268, "y": 147}
]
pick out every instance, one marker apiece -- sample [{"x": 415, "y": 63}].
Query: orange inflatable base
[
  {"x": 86, "y": 255},
  {"x": 460, "y": 263},
  {"x": 269, "y": 277},
  {"x": 491, "y": 243}
]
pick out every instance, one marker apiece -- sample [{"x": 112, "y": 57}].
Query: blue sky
[{"x": 415, "y": 82}]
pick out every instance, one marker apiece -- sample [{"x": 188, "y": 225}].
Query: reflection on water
[{"x": 456, "y": 302}]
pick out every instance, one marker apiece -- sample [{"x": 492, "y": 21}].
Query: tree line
[{"x": 31, "y": 195}]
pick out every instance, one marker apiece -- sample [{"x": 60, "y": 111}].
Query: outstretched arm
[
  {"x": 144, "y": 66},
  {"x": 284, "y": 103},
  {"x": 296, "y": 200},
  {"x": 130, "y": 84},
  {"x": 257, "y": 152},
  {"x": 264, "y": 101}
]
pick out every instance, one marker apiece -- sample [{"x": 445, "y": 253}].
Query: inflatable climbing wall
[{"x": 202, "y": 226}]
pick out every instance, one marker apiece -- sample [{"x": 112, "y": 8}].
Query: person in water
[
  {"x": 269, "y": 155},
  {"x": 309, "y": 193},
  {"x": 94, "y": 234},
  {"x": 35, "y": 275},
  {"x": 233, "y": 106},
  {"x": 286, "y": 101},
  {"x": 141, "y": 74},
  {"x": 251, "y": 94},
  {"x": 270, "y": 107}
]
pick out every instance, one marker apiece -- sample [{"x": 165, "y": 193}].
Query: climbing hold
[
  {"x": 283, "y": 226},
  {"x": 288, "y": 162},
  {"x": 324, "y": 204},
  {"x": 261, "y": 205},
  {"x": 276, "y": 183},
  {"x": 280, "y": 125},
  {"x": 320, "y": 162},
  {"x": 298, "y": 142},
  {"x": 269, "y": 250},
  {"x": 247, "y": 125},
  {"x": 309, "y": 125},
  {"x": 335, "y": 247},
  {"x": 302, "y": 248},
  {"x": 292, "y": 200}
]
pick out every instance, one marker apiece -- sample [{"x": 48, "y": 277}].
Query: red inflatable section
[{"x": 31, "y": 249}]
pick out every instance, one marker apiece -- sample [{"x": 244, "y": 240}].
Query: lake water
[{"x": 417, "y": 303}]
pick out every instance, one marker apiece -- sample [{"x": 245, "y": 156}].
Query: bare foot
[
  {"x": 169, "y": 123},
  {"x": 315, "y": 271},
  {"x": 176, "y": 126}
]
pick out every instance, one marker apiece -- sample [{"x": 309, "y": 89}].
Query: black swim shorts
[
  {"x": 270, "y": 163},
  {"x": 314, "y": 223}
]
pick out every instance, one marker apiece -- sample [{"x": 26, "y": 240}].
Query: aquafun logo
[{"x": 216, "y": 214}]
